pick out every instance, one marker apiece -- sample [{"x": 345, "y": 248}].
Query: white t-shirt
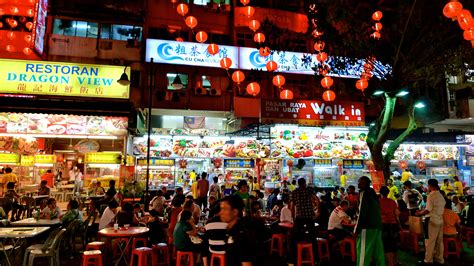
[
  {"x": 335, "y": 220},
  {"x": 285, "y": 215},
  {"x": 435, "y": 204},
  {"x": 157, "y": 203},
  {"x": 106, "y": 218}
]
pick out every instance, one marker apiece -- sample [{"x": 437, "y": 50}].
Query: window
[
  {"x": 120, "y": 32},
  {"x": 177, "y": 81},
  {"x": 245, "y": 40},
  {"x": 167, "y": 34},
  {"x": 75, "y": 28},
  {"x": 219, "y": 38}
]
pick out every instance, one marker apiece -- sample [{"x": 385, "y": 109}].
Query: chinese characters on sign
[
  {"x": 156, "y": 162},
  {"x": 61, "y": 79},
  {"x": 353, "y": 164},
  {"x": 239, "y": 163}
]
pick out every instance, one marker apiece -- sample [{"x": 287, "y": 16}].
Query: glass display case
[
  {"x": 185, "y": 166},
  {"x": 102, "y": 173},
  {"x": 162, "y": 173},
  {"x": 325, "y": 176}
]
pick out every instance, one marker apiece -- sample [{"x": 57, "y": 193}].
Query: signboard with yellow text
[
  {"x": 9, "y": 158},
  {"x": 62, "y": 79},
  {"x": 102, "y": 157}
]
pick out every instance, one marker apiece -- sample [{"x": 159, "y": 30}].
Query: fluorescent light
[
  {"x": 372, "y": 124},
  {"x": 64, "y": 151},
  {"x": 53, "y": 136},
  {"x": 44, "y": 164},
  {"x": 107, "y": 165},
  {"x": 420, "y": 105},
  {"x": 378, "y": 93},
  {"x": 402, "y": 93}
]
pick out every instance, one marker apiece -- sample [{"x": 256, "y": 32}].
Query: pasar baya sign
[{"x": 61, "y": 79}]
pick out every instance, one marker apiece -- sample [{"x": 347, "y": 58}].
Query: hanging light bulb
[{"x": 27, "y": 51}]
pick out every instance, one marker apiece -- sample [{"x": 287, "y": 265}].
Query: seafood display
[
  {"x": 62, "y": 124},
  {"x": 18, "y": 145}
]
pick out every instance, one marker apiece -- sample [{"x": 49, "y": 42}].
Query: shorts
[{"x": 390, "y": 237}]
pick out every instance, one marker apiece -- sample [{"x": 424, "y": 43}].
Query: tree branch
[{"x": 387, "y": 119}]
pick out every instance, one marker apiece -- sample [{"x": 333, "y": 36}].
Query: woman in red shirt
[
  {"x": 173, "y": 217},
  {"x": 391, "y": 226}
]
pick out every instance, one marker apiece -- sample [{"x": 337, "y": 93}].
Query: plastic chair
[
  {"x": 323, "y": 249},
  {"x": 143, "y": 254},
  {"x": 301, "y": 247},
  {"x": 278, "y": 240},
  {"x": 186, "y": 256},
  {"x": 219, "y": 258},
  {"x": 447, "y": 250},
  {"x": 137, "y": 240},
  {"x": 96, "y": 245},
  {"x": 52, "y": 252},
  {"x": 163, "y": 250},
  {"x": 92, "y": 258},
  {"x": 352, "y": 248},
  {"x": 43, "y": 246}
]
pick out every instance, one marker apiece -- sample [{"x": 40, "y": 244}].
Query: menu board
[
  {"x": 63, "y": 124},
  {"x": 45, "y": 158},
  {"x": 9, "y": 158},
  {"x": 156, "y": 162},
  {"x": 208, "y": 147},
  {"x": 239, "y": 163},
  {"x": 102, "y": 157},
  {"x": 353, "y": 164},
  {"x": 27, "y": 160},
  {"x": 18, "y": 145},
  {"x": 425, "y": 152},
  {"x": 318, "y": 143}
]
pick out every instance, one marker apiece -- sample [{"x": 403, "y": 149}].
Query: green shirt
[
  {"x": 370, "y": 216},
  {"x": 245, "y": 198},
  {"x": 70, "y": 216},
  {"x": 181, "y": 239}
]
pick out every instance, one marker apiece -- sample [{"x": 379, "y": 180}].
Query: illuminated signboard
[
  {"x": 102, "y": 157},
  {"x": 353, "y": 164},
  {"x": 156, "y": 162},
  {"x": 27, "y": 160},
  {"x": 40, "y": 27},
  {"x": 188, "y": 53},
  {"x": 9, "y": 158},
  {"x": 239, "y": 163},
  {"x": 61, "y": 79},
  {"x": 45, "y": 159}
]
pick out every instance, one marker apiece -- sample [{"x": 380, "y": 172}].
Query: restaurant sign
[
  {"x": 103, "y": 158},
  {"x": 45, "y": 159},
  {"x": 156, "y": 162},
  {"x": 353, "y": 164},
  {"x": 188, "y": 53},
  {"x": 239, "y": 163},
  {"x": 312, "y": 113},
  {"x": 61, "y": 79},
  {"x": 9, "y": 158}
]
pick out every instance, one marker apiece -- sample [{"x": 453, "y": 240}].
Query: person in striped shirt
[{"x": 339, "y": 216}]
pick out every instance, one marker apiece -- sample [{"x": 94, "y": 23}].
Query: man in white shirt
[
  {"x": 434, "y": 217},
  {"x": 108, "y": 217},
  {"x": 157, "y": 203},
  {"x": 285, "y": 213},
  {"x": 411, "y": 197},
  {"x": 338, "y": 216}
]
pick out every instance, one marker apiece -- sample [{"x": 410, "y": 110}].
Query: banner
[
  {"x": 62, "y": 79},
  {"x": 188, "y": 53},
  {"x": 40, "y": 29},
  {"x": 312, "y": 113}
]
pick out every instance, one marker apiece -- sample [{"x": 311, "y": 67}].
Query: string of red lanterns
[
  {"x": 24, "y": 12},
  {"x": 455, "y": 11}
]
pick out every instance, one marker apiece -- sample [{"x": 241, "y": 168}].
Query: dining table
[
  {"x": 28, "y": 222},
  {"x": 126, "y": 233},
  {"x": 17, "y": 236}
]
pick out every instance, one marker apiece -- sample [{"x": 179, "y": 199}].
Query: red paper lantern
[
  {"x": 329, "y": 96},
  {"x": 264, "y": 51},
  {"x": 183, "y": 164},
  {"x": 469, "y": 34},
  {"x": 259, "y": 37},
  {"x": 27, "y": 51},
  {"x": 421, "y": 165},
  {"x": 10, "y": 48},
  {"x": 30, "y": 12},
  {"x": 179, "y": 39},
  {"x": 29, "y": 25},
  {"x": 465, "y": 23},
  {"x": 378, "y": 26},
  {"x": 226, "y": 63},
  {"x": 452, "y": 9},
  {"x": 317, "y": 33},
  {"x": 249, "y": 11},
  {"x": 201, "y": 36},
  {"x": 376, "y": 35},
  {"x": 253, "y": 88},
  {"x": 319, "y": 46},
  {"x": 182, "y": 9},
  {"x": 289, "y": 163},
  {"x": 27, "y": 38},
  {"x": 377, "y": 15},
  {"x": 14, "y": 10},
  {"x": 321, "y": 57},
  {"x": 286, "y": 95},
  {"x": 272, "y": 66},
  {"x": 362, "y": 84},
  {"x": 238, "y": 76},
  {"x": 327, "y": 82},
  {"x": 245, "y": 2},
  {"x": 278, "y": 80},
  {"x": 13, "y": 23},
  {"x": 403, "y": 164},
  {"x": 254, "y": 25},
  {"x": 191, "y": 22},
  {"x": 213, "y": 49}
]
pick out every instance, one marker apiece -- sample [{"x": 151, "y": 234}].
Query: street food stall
[
  {"x": 102, "y": 166},
  {"x": 161, "y": 173}
]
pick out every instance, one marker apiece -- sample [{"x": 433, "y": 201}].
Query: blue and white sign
[{"x": 188, "y": 53}]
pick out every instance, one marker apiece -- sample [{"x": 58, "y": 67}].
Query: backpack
[{"x": 412, "y": 198}]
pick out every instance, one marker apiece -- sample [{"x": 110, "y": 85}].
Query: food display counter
[
  {"x": 162, "y": 173},
  {"x": 187, "y": 165},
  {"x": 237, "y": 169},
  {"x": 102, "y": 166}
]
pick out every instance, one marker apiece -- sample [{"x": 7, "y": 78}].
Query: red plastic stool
[
  {"x": 92, "y": 258},
  {"x": 96, "y": 245},
  {"x": 404, "y": 237},
  {"x": 278, "y": 239},
  {"x": 163, "y": 250},
  {"x": 447, "y": 251},
  {"x": 301, "y": 247},
  {"x": 323, "y": 249},
  {"x": 137, "y": 240},
  {"x": 220, "y": 259},
  {"x": 352, "y": 248},
  {"x": 184, "y": 255},
  {"x": 469, "y": 233},
  {"x": 143, "y": 254},
  {"x": 413, "y": 242}
]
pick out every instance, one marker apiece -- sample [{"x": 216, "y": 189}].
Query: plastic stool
[
  {"x": 184, "y": 255},
  {"x": 301, "y": 247},
  {"x": 220, "y": 258},
  {"x": 96, "y": 245},
  {"x": 138, "y": 240},
  {"x": 142, "y": 253},
  {"x": 404, "y": 237},
  {"x": 413, "y": 242},
  {"x": 323, "y": 249},
  {"x": 163, "y": 250},
  {"x": 447, "y": 251},
  {"x": 278, "y": 239},
  {"x": 352, "y": 248},
  {"x": 92, "y": 258},
  {"x": 469, "y": 233}
]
